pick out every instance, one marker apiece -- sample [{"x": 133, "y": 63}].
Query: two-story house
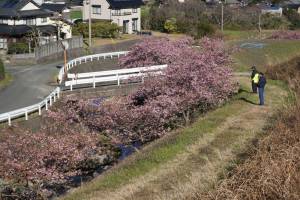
[
  {"x": 125, "y": 13},
  {"x": 20, "y": 18}
]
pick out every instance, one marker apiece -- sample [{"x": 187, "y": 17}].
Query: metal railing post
[
  {"x": 46, "y": 104},
  {"x": 94, "y": 83},
  {"x": 40, "y": 110},
  {"x": 26, "y": 115},
  {"x": 9, "y": 120},
  {"x": 50, "y": 100}
]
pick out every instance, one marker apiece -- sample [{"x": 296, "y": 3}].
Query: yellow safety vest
[{"x": 255, "y": 79}]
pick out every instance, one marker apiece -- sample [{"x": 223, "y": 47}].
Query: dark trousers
[
  {"x": 254, "y": 87},
  {"x": 261, "y": 91}
]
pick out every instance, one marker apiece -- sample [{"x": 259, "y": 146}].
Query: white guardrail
[
  {"x": 24, "y": 112},
  {"x": 113, "y": 75},
  {"x": 90, "y": 58},
  {"x": 83, "y": 78},
  {"x": 9, "y": 116}
]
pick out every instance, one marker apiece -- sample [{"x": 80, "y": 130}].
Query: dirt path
[{"x": 199, "y": 166}]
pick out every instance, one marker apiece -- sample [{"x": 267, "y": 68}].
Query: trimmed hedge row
[{"x": 103, "y": 29}]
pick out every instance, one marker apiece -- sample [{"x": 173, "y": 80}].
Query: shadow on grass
[
  {"x": 243, "y": 90},
  {"x": 248, "y": 101}
]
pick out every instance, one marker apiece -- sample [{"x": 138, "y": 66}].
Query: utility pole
[
  {"x": 89, "y": 2},
  {"x": 222, "y": 16},
  {"x": 65, "y": 46},
  {"x": 259, "y": 23}
]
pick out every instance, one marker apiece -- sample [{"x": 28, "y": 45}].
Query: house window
[
  {"x": 44, "y": 20},
  {"x": 135, "y": 24},
  {"x": 117, "y": 12},
  {"x": 30, "y": 22},
  {"x": 96, "y": 9},
  {"x": 134, "y": 10},
  {"x": 3, "y": 21},
  {"x": 3, "y": 43}
]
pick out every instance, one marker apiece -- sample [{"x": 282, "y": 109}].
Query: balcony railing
[{"x": 121, "y": 14}]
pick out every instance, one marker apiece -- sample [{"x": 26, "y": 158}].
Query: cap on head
[{"x": 253, "y": 68}]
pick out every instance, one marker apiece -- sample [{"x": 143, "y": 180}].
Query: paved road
[{"x": 32, "y": 84}]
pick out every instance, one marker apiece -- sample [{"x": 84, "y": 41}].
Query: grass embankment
[
  {"x": 272, "y": 170},
  {"x": 126, "y": 37},
  {"x": 76, "y": 14},
  {"x": 230, "y": 35},
  {"x": 192, "y": 159},
  {"x": 274, "y": 52}
]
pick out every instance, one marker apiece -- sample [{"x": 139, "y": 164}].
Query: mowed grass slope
[
  {"x": 274, "y": 52},
  {"x": 192, "y": 159}
]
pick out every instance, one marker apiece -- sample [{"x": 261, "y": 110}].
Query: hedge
[{"x": 103, "y": 29}]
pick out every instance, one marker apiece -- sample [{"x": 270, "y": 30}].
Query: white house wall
[
  {"x": 64, "y": 27},
  {"x": 105, "y": 11},
  {"x": 40, "y": 2},
  {"x": 107, "y": 14},
  {"x": 30, "y": 6},
  {"x": 39, "y": 22},
  {"x": 119, "y": 19}
]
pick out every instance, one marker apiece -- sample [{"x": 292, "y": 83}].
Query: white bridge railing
[
  {"x": 84, "y": 78},
  {"x": 113, "y": 75},
  {"x": 89, "y": 58}
]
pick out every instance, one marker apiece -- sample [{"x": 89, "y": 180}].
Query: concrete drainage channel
[{"x": 252, "y": 45}]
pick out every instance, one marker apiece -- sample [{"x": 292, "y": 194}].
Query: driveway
[{"x": 32, "y": 84}]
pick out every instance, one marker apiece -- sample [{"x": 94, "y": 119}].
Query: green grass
[
  {"x": 159, "y": 153},
  {"x": 167, "y": 148},
  {"x": 6, "y": 81},
  {"x": 245, "y": 35},
  {"x": 275, "y": 52},
  {"x": 76, "y": 14}
]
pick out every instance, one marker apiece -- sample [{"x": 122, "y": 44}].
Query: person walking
[
  {"x": 261, "y": 88},
  {"x": 254, "y": 79}
]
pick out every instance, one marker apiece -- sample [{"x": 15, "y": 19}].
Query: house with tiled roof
[
  {"x": 125, "y": 13},
  {"x": 20, "y": 18}
]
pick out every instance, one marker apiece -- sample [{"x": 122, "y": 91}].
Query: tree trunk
[{"x": 186, "y": 116}]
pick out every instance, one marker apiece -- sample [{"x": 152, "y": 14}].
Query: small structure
[
  {"x": 292, "y": 4},
  {"x": 23, "y": 20},
  {"x": 125, "y": 13},
  {"x": 273, "y": 9},
  {"x": 233, "y": 3}
]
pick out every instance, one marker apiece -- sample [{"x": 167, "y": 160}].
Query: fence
[
  {"x": 22, "y": 56},
  {"x": 113, "y": 75},
  {"x": 56, "y": 47},
  {"x": 89, "y": 58},
  {"x": 9, "y": 116},
  {"x": 83, "y": 78}
]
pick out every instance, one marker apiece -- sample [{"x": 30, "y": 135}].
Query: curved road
[{"x": 31, "y": 84}]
